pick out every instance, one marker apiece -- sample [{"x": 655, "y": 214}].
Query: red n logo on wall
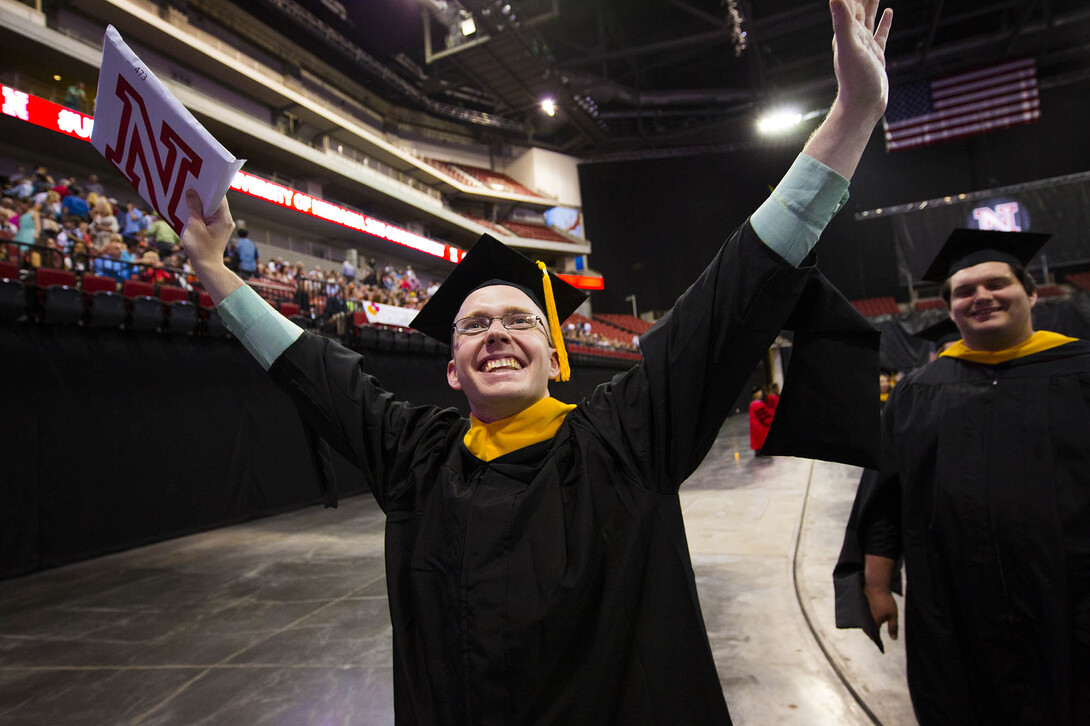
[{"x": 164, "y": 178}]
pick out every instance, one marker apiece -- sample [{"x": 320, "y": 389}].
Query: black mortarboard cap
[
  {"x": 490, "y": 262},
  {"x": 938, "y": 333},
  {"x": 968, "y": 247}
]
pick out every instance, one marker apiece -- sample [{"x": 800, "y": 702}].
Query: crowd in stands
[{"x": 64, "y": 223}]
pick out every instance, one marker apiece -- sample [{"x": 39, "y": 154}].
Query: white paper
[
  {"x": 153, "y": 140},
  {"x": 388, "y": 314}
]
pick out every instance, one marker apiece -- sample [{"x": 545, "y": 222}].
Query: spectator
[
  {"x": 79, "y": 260},
  {"x": 93, "y": 186},
  {"x": 161, "y": 237},
  {"x": 153, "y": 271},
  {"x": 23, "y": 188},
  {"x": 75, "y": 97},
  {"x": 103, "y": 224},
  {"x": 247, "y": 255},
  {"x": 51, "y": 206},
  {"x": 348, "y": 270},
  {"x": 30, "y": 225},
  {"x": 109, "y": 263},
  {"x": 132, "y": 221},
  {"x": 75, "y": 204}
]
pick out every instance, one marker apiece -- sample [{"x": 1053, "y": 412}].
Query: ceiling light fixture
[
  {"x": 779, "y": 122},
  {"x": 548, "y": 105}
]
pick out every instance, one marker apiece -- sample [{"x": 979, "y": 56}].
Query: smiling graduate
[{"x": 984, "y": 490}]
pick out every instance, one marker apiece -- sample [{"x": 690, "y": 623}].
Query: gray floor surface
[{"x": 283, "y": 621}]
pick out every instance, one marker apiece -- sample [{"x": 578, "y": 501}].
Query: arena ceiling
[{"x": 652, "y": 77}]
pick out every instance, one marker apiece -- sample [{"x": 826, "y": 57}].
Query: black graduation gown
[
  {"x": 985, "y": 491},
  {"x": 553, "y": 585}
]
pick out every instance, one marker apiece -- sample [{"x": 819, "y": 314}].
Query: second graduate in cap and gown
[{"x": 984, "y": 491}]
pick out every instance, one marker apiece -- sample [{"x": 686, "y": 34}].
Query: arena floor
[{"x": 284, "y": 620}]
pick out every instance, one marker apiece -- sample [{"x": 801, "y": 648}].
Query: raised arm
[
  {"x": 264, "y": 332},
  {"x": 859, "y": 47}
]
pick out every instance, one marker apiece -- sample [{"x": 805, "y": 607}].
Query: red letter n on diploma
[{"x": 164, "y": 178}]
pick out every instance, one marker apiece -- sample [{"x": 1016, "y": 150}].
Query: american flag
[{"x": 926, "y": 112}]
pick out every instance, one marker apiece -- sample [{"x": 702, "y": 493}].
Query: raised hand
[
  {"x": 859, "y": 55},
  {"x": 205, "y": 237},
  {"x": 859, "y": 58}
]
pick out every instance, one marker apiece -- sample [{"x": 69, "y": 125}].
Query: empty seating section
[
  {"x": 496, "y": 181},
  {"x": 475, "y": 176},
  {"x": 1080, "y": 279},
  {"x": 589, "y": 350},
  {"x": 628, "y": 323},
  {"x": 494, "y": 226},
  {"x": 930, "y": 303},
  {"x": 875, "y": 306},
  {"x": 454, "y": 172},
  {"x": 1049, "y": 291},
  {"x": 534, "y": 231}
]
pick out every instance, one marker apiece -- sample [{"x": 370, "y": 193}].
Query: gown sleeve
[
  {"x": 388, "y": 440},
  {"x": 663, "y": 414},
  {"x": 874, "y": 528}
]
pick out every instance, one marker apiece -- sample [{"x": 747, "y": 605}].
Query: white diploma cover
[{"x": 153, "y": 140}]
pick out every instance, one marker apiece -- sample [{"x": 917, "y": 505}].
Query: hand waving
[{"x": 859, "y": 54}]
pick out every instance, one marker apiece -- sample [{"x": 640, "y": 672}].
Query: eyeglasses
[{"x": 512, "y": 321}]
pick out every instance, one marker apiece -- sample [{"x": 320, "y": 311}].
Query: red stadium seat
[
  {"x": 59, "y": 300},
  {"x": 13, "y": 299},
  {"x": 105, "y": 307},
  {"x": 9, "y": 271},
  {"x": 212, "y": 323},
  {"x": 145, "y": 310},
  {"x": 179, "y": 314}
]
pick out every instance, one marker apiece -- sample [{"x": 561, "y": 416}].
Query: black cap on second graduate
[
  {"x": 490, "y": 262},
  {"x": 968, "y": 247}
]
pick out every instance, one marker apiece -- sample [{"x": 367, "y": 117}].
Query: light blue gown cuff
[
  {"x": 263, "y": 331},
  {"x": 791, "y": 220}
]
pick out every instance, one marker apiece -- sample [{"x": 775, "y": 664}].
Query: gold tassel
[{"x": 554, "y": 324}]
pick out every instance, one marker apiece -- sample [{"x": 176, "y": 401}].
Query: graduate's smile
[
  {"x": 985, "y": 314},
  {"x": 500, "y": 364}
]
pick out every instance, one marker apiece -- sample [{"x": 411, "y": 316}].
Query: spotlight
[
  {"x": 778, "y": 122},
  {"x": 548, "y": 105}
]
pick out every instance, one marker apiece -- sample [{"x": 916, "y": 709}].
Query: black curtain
[{"x": 111, "y": 440}]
